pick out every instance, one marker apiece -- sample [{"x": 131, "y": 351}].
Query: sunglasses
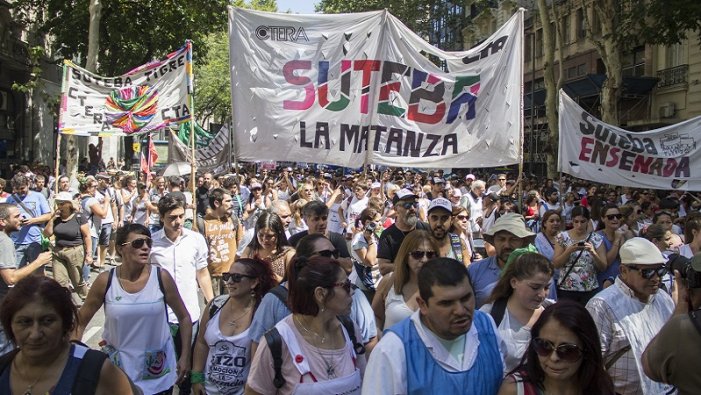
[
  {"x": 649, "y": 273},
  {"x": 234, "y": 277},
  {"x": 462, "y": 217},
  {"x": 566, "y": 352},
  {"x": 408, "y": 205},
  {"x": 346, "y": 285},
  {"x": 138, "y": 243},
  {"x": 610, "y": 217},
  {"x": 420, "y": 254},
  {"x": 328, "y": 253}
]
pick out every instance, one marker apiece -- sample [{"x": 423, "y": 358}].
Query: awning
[{"x": 590, "y": 85}]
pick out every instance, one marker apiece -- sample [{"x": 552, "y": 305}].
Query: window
[
  {"x": 674, "y": 55},
  {"x": 539, "y": 43},
  {"x": 579, "y": 24},
  {"x": 566, "y": 31}
]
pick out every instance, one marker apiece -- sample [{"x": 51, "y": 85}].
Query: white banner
[
  {"x": 212, "y": 158},
  {"x": 348, "y": 89},
  {"x": 146, "y": 98},
  {"x": 665, "y": 158}
]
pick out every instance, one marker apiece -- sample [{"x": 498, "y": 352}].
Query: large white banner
[
  {"x": 144, "y": 99},
  {"x": 665, "y": 158},
  {"x": 348, "y": 89}
]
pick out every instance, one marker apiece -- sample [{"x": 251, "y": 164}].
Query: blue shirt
[
  {"x": 484, "y": 275},
  {"x": 38, "y": 206}
]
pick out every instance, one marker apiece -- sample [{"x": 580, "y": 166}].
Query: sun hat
[
  {"x": 640, "y": 251},
  {"x": 509, "y": 222}
]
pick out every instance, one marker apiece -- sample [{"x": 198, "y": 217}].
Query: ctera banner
[
  {"x": 665, "y": 158},
  {"x": 354, "y": 89},
  {"x": 147, "y": 98}
]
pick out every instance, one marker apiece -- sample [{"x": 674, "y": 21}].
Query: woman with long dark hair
[
  {"x": 545, "y": 242},
  {"x": 517, "y": 302},
  {"x": 222, "y": 355},
  {"x": 613, "y": 238},
  {"x": 579, "y": 254},
  {"x": 270, "y": 244},
  {"x": 563, "y": 357}
]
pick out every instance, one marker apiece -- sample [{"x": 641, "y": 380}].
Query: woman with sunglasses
[
  {"x": 613, "y": 237},
  {"x": 325, "y": 361},
  {"x": 222, "y": 355},
  {"x": 395, "y": 298},
  {"x": 136, "y": 333},
  {"x": 257, "y": 203},
  {"x": 579, "y": 254},
  {"x": 563, "y": 357},
  {"x": 270, "y": 244},
  {"x": 460, "y": 225},
  {"x": 517, "y": 301}
]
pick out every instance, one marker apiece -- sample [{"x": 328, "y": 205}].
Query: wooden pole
[
  {"x": 193, "y": 166},
  {"x": 58, "y": 162}
]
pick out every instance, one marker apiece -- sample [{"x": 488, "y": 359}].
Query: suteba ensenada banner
[
  {"x": 349, "y": 89},
  {"x": 147, "y": 98},
  {"x": 665, "y": 158}
]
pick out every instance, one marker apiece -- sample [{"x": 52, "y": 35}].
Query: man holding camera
[
  {"x": 673, "y": 356},
  {"x": 630, "y": 313}
]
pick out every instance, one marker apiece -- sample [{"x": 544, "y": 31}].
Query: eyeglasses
[
  {"x": 234, "y": 277},
  {"x": 346, "y": 285},
  {"x": 408, "y": 205},
  {"x": 610, "y": 217},
  {"x": 649, "y": 273},
  {"x": 138, "y": 243},
  {"x": 256, "y": 189},
  {"x": 328, "y": 253},
  {"x": 566, "y": 351},
  {"x": 462, "y": 217},
  {"x": 420, "y": 254}
]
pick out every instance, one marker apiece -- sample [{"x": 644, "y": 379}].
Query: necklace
[
  {"x": 323, "y": 338},
  {"x": 234, "y": 321},
  {"x": 27, "y": 391}
]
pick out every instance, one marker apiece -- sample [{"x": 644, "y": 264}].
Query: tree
[{"x": 213, "y": 76}]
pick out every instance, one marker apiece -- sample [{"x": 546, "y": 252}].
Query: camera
[
  {"x": 682, "y": 264},
  {"x": 580, "y": 244},
  {"x": 371, "y": 226}
]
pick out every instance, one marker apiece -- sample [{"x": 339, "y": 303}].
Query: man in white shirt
[
  {"x": 183, "y": 253},
  {"x": 437, "y": 349}
]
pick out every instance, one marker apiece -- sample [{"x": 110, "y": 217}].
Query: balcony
[{"x": 673, "y": 76}]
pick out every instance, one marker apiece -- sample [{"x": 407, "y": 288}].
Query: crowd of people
[{"x": 319, "y": 281}]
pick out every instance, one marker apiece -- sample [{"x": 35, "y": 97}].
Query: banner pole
[
  {"x": 62, "y": 107},
  {"x": 191, "y": 98},
  {"x": 58, "y": 162},
  {"x": 522, "y": 119}
]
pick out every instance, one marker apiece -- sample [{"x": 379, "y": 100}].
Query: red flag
[
  {"x": 144, "y": 165},
  {"x": 152, "y": 153}
]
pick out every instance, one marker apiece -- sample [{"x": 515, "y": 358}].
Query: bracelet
[{"x": 196, "y": 377}]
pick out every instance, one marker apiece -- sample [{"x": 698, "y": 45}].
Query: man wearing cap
[
  {"x": 673, "y": 355},
  {"x": 630, "y": 313},
  {"x": 465, "y": 188},
  {"x": 406, "y": 209},
  {"x": 437, "y": 188},
  {"x": 508, "y": 233},
  {"x": 440, "y": 213}
]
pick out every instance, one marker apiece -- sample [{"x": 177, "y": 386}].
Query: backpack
[
  {"x": 498, "y": 310},
  {"x": 274, "y": 340}
]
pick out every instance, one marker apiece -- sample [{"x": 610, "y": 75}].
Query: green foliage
[
  {"x": 131, "y": 32},
  {"x": 670, "y": 21}
]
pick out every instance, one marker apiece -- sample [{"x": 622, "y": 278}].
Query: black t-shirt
[
  {"x": 68, "y": 233},
  {"x": 391, "y": 239},
  {"x": 338, "y": 241},
  {"x": 202, "y": 200}
]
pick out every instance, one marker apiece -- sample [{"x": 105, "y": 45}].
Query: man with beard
[
  {"x": 630, "y": 313},
  {"x": 508, "y": 233},
  {"x": 183, "y": 253},
  {"x": 439, "y": 219},
  {"x": 551, "y": 202},
  {"x": 222, "y": 233},
  {"x": 405, "y": 206},
  {"x": 446, "y": 347},
  {"x": 202, "y": 199}
]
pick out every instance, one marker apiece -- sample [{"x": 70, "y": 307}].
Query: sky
[{"x": 297, "y": 6}]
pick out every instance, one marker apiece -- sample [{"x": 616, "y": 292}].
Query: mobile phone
[{"x": 580, "y": 244}]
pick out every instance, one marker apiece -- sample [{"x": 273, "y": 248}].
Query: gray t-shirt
[{"x": 7, "y": 260}]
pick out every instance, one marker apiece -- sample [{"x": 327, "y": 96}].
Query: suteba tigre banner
[
  {"x": 144, "y": 99},
  {"x": 666, "y": 158},
  {"x": 350, "y": 89}
]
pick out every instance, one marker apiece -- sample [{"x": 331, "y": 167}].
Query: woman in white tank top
[
  {"x": 222, "y": 356},
  {"x": 395, "y": 298}
]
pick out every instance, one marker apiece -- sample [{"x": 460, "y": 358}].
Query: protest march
[{"x": 363, "y": 225}]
